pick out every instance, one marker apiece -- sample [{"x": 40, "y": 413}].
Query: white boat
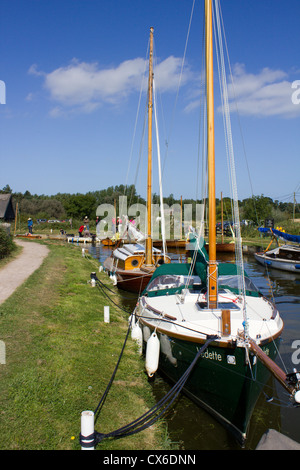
[
  {"x": 285, "y": 257},
  {"x": 209, "y": 315}
]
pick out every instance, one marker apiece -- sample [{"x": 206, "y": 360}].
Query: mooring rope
[{"x": 152, "y": 415}]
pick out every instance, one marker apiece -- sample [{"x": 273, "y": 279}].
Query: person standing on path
[{"x": 30, "y": 225}]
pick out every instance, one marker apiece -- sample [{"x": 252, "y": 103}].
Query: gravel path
[{"x": 13, "y": 274}]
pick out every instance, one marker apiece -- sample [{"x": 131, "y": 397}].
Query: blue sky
[{"x": 73, "y": 71}]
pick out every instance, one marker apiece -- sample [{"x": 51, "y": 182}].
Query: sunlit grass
[{"x": 60, "y": 356}]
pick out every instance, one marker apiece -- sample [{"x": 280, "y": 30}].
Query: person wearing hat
[
  {"x": 86, "y": 222},
  {"x": 30, "y": 225}
]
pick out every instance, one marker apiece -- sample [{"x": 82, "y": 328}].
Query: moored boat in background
[
  {"x": 285, "y": 257},
  {"x": 133, "y": 265}
]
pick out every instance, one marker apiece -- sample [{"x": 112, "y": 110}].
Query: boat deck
[{"x": 189, "y": 314}]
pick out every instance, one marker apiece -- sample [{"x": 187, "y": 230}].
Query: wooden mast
[
  {"x": 222, "y": 224},
  {"x": 148, "y": 260},
  {"x": 212, "y": 267},
  {"x": 180, "y": 217}
]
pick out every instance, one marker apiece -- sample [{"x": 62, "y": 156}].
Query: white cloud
[
  {"x": 267, "y": 93},
  {"x": 167, "y": 74},
  {"x": 85, "y": 86}
]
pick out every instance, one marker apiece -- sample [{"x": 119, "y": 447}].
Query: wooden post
[
  {"x": 106, "y": 314},
  {"x": 226, "y": 325},
  {"x": 16, "y": 217}
]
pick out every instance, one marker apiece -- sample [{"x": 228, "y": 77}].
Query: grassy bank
[{"x": 60, "y": 356}]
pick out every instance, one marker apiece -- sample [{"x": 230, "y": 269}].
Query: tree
[
  {"x": 258, "y": 208},
  {"x": 81, "y": 205},
  {"x": 6, "y": 190}
]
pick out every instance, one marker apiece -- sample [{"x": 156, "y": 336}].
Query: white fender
[
  {"x": 137, "y": 335},
  {"x": 152, "y": 354}
]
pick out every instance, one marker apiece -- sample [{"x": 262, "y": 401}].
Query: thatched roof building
[{"x": 7, "y": 212}]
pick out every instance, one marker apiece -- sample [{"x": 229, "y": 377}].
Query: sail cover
[{"x": 282, "y": 235}]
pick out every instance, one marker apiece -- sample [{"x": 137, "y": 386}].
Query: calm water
[{"x": 194, "y": 429}]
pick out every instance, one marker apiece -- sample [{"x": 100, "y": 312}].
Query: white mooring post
[
  {"x": 106, "y": 314},
  {"x": 87, "y": 428}
]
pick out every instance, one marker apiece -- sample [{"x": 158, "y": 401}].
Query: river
[{"x": 190, "y": 427}]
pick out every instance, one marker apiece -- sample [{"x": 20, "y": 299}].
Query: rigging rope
[
  {"x": 134, "y": 133},
  {"x": 180, "y": 78},
  {"x": 160, "y": 176},
  {"x": 236, "y": 106},
  {"x": 230, "y": 158}
]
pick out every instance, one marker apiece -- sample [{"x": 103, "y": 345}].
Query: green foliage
[
  {"x": 258, "y": 208},
  {"x": 6, "y": 244},
  {"x": 45, "y": 208},
  {"x": 80, "y": 205},
  {"x": 77, "y": 206}
]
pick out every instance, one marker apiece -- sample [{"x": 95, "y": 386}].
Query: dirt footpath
[{"x": 17, "y": 271}]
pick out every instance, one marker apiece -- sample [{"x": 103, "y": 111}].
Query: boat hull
[
  {"x": 108, "y": 242},
  {"x": 171, "y": 243},
  {"x": 221, "y": 381},
  {"x": 132, "y": 281},
  {"x": 281, "y": 264},
  {"x": 29, "y": 235},
  {"x": 223, "y": 247}
]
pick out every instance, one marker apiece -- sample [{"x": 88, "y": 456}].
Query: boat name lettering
[{"x": 213, "y": 355}]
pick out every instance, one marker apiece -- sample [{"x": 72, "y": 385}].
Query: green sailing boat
[{"x": 187, "y": 306}]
